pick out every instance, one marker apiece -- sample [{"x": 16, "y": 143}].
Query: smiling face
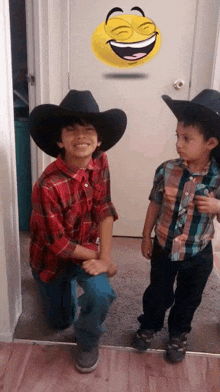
[
  {"x": 79, "y": 143},
  {"x": 126, "y": 41}
]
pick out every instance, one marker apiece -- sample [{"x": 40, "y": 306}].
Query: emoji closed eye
[
  {"x": 143, "y": 25},
  {"x": 118, "y": 28}
]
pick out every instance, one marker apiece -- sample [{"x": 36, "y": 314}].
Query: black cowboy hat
[
  {"x": 46, "y": 118},
  {"x": 207, "y": 102},
  {"x": 205, "y": 105}
]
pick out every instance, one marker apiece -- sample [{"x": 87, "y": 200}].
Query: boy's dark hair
[
  {"x": 208, "y": 126},
  {"x": 72, "y": 121}
]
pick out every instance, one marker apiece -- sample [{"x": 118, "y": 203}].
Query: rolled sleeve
[{"x": 103, "y": 212}]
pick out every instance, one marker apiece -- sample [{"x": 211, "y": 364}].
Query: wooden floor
[{"x": 47, "y": 368}]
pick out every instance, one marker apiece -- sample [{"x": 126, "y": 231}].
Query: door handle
[{"x": 178, "y": 84}]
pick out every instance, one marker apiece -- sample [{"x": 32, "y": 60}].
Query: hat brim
[
  {"x": 47, "y": 118},
  {"x": 180, "y": 107}
]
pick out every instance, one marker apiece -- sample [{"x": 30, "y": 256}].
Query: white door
[{"x": 150, "y": 136}]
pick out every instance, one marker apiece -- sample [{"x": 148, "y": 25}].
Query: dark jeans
[{"x": 191, "y": 277}]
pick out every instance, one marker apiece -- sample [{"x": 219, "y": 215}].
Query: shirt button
[
  {"x": 86, "y": 185},
  {"x": 191, "y": 178},
  {"x": 180, "y": 224},
  {"x": 176, "y": 239},
  {"x": 187, "y": 193}
]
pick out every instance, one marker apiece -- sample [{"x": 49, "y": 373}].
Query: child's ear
[
  {"x": 212, "y": 143},
  {"x": 60, "y": 144}
]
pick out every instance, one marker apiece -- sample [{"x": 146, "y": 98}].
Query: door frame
[
  {"x": 48, "y": 61},
  {"x": 10, "y": 275},
  {"x": 31, "y": 46}
]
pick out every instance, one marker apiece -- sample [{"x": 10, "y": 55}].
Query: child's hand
[
  {"x": 146, "y": 247},
  {"x": 207, "y": 205},
  {"x": 112, "y": 270},
  {"x": 96, "y": 267}
]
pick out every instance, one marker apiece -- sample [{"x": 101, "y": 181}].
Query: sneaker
[
  {"x": 176, "y": 348},
  {"x": 142, "y": 339},
  {"x": 86, "y": 360}
]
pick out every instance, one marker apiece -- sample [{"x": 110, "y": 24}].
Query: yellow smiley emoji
[{"x": 126, "y": 41}]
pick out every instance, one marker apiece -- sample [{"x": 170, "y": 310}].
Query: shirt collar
[
  {"x": 204, "y": 172},
  {"x": 77, "y": 173}
]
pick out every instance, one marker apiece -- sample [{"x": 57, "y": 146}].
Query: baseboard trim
[{"x": 51, "y": 343}]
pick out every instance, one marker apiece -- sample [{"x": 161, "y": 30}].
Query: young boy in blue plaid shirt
[{"x": 183, "y": 203}]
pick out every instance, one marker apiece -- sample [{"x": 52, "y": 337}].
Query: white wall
[
  {"x": 204, "y": 45},
  {"x": 216, "y": 67},
  {"x": 10, "y": 279}
]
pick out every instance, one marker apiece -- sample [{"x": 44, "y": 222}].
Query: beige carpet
[{"x": 121, "y": 323}]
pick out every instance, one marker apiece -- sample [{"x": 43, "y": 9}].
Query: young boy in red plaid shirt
[
  {"x": 183, "y": 202},
  {"x": 72, "y": 210}
]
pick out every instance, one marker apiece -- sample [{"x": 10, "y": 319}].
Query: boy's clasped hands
[{"x": 99, "y": 266}]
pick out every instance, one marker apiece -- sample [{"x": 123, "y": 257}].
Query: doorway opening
[{"x": 21, "y": 110}]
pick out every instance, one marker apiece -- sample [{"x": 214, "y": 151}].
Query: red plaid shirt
[{"x": 67, "y": 209}]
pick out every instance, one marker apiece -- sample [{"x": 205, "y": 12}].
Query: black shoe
[
  {"x": 176, "y": 348},
  {"x": 86, "y": 360},
  {"x": 142, "y": 339}
]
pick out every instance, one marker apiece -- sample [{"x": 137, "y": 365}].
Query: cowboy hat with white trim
[{"x": 45, "y": 119}]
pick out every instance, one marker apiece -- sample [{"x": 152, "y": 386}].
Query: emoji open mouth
[{"x": 133, "y": 51}]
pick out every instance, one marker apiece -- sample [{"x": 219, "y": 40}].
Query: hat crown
[
  {"x": 80, "y": 101},
  {"x": 210, "y": 99}
]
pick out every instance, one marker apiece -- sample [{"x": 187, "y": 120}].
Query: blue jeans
[{"x": 60, "y": 303}]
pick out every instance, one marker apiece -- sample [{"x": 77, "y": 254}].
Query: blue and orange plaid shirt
[
  {"x": 67, "y": 207},
  {"x": 181, "y": 228}
]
